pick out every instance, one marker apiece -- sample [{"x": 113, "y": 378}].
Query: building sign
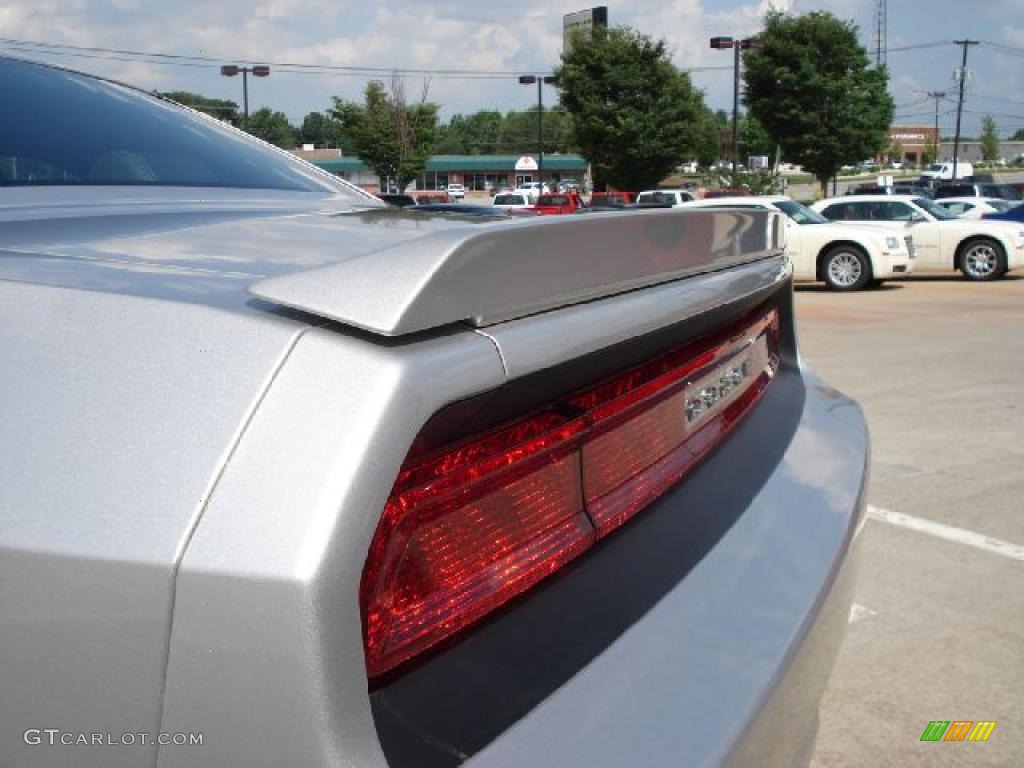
[
  {"x": 583, "y": 21},
  {"x": 526, "y": 163},
  {"x": 918, "y": 135}
]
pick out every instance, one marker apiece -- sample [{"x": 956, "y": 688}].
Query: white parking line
[{"x": 948, "y": 532}]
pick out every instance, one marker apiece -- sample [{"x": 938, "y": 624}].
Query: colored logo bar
[{"x": 958, "y": 730}]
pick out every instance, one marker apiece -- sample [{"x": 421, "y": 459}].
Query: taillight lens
[{"x": 468, "y": 527}]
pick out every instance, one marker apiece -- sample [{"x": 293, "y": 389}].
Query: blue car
[{"x": 1014, "y": 214}]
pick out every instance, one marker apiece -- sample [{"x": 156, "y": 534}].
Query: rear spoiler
[{"x": 496, "y": 272}]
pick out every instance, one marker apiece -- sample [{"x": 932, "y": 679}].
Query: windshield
[
  {"x": 799, "y": 213},
  {"x": 75, "y": 130},
  {"x": 1001, "y": 205},
  {"x": 934, "y": 167},
  {"x": 934, "y": 209}
]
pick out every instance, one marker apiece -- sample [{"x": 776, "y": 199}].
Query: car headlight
[{"x": 892, "y": 243}]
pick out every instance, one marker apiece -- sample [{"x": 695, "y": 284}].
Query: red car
[{"x": 554, "y": 205}]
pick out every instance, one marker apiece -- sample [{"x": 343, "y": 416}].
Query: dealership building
[
  {"x": 483, "y": 173},
  {"x": 917, "y": 142}
]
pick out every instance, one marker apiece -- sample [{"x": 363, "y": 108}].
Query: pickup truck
[{"x": 554, "y": 205}]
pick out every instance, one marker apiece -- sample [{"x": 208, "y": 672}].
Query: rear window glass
[
  {"x": 509, "y": 200},
  {"x": 72, "y": 129}
]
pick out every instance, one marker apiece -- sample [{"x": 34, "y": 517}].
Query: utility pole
[
  {"x": 962, "y": 77},
  {"x": 938, "y": 96},
  {"x": 881, "y": 28}
]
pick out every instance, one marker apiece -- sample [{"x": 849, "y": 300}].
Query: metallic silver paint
[
  {"x": 115, "y": 423},
  {"x": 529, "y": 345},
  {"x": 492, "y": 274},
  {"x": 270, "y": 581}
]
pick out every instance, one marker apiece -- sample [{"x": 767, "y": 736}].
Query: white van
[{"x": 945, "y": 171}]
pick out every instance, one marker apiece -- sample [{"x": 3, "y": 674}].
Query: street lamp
[
  {"x": 720, "y": 43},
  {"x": 256, "y": 70},
  {"x": 540, "y": 81}
]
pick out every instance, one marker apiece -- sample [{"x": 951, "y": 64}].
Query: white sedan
[
  {"x": 982, "y": 250},
  {"x": 975, "y": 207},
  {"x": 845, "y": 258}
]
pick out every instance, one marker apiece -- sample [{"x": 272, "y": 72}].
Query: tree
[
  {"x": 754, "y": 139},
  {"x": 271, "y": 126},
  {"x": 222, "y": 109},
  {"x": 1018, "y": 136},
  {"x": 707, "y": 138},
  {"x": 633, "y": 113},
  {"x": 390, "y": 135},
  {"x": 811, "y": 87},
  {"x": 320, "y": 129},
  {"x": 989, "y": 139}
]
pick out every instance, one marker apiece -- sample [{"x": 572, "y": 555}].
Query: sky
[{"x": 499, "y": 38}]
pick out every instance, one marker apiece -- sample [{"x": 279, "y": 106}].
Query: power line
[
  {"x": 210, "y": 62},
  {"x": 918, "y": 46}
]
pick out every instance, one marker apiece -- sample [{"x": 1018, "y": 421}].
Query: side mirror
[{"x": 916, "y": 217}]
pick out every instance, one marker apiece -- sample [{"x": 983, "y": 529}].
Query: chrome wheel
[
  {"x": 846, "y": 270},
  {"x": 981, "y": 260}
]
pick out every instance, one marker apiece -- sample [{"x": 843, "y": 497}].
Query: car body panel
[
  {"x": 118, "y": 413},
  {"x": 269, "y": 585}
]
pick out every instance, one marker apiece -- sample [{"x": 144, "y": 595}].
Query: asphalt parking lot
[{"x": 937, "y": 631}]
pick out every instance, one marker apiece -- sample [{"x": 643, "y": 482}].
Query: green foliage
[
  {"x": 707, "y": 138},
  {"x": 391, "y": 136},
  {"x": 989, "y": 139},
  {"x": 490, "y": 132},
  {"x": 321, "y": 130},
  {"x": 271, "y": 126},
  {"x": 634, "y": 115},
  {"x": 754, "y": 139},
  {"x": 813, "y": 90},
  {"x": 222, "y": 109},
  {"x": 1018, "y": 136}
]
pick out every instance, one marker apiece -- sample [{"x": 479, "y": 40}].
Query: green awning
[{"x": 461, "y": 164}]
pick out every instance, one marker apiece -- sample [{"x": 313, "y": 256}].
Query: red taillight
[{"x": 470, "y": 526}]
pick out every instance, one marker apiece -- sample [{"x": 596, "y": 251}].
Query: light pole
[
  {"x": 256, "y": 70},
  {"x": 540, "y": 81},
  {"x": 720, "y": 43},
  {"x": 937, "y": 95}
]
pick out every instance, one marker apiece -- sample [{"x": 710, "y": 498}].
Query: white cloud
[{"x": 464, "y": 34}]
